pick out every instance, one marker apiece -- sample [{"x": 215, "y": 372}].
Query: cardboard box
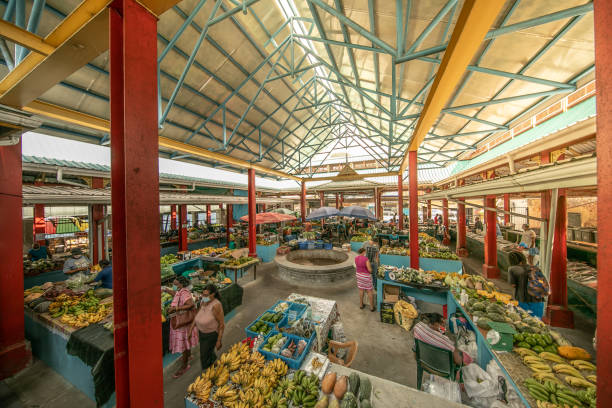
[{"x": 390, "y": 293}]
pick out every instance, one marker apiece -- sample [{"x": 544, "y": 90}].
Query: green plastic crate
[{"x": 506, "y": 334}]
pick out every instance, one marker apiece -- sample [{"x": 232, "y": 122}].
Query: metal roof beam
[
  {"x": 25, "y": 38},
  {"x": 506, "y": 100}
]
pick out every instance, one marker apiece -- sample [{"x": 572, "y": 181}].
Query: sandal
[
  {"x": 362, "y": 306},
  {"x": 372, "y": 309},
  {"x": 180, "y": 372}
]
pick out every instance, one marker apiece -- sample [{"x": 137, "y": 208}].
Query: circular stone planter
[{"x": 316, "y": 266}]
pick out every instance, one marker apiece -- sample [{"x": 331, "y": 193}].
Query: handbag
[{"x": 182, "y": 317}]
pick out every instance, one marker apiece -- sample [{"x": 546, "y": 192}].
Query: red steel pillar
[
  {"x": 461, "y": 235},
  {"x": 229, "y": 215},
  {"x": 400, "y": 201},
  {"x": 303, "y": 201},
  {"x": 603, "y": 71},
  {"x": 413, "y": 194},
  {"x": 173, "y": 217},
  {"x": 39, "y": 224},
  {"x": 490, "y": 269},
  {"x": 337, "y": 202},
  {"x": 557, "y": 313},
  {"x": 322, "y": 199},
  {"x": 424, "y": 211},
  {"x": 14, "y": 354},
  {"x": 97, "y": 223},
  {"x": 428, "y": 209},
  {"x": 263, "y": 207},
  {"x": 252, "y": 226},
  {"x": 506, "y": 208},
  {"x": 182, "y": 228},
  {"x": 208, "y": 214},
  {"x": 342, "y": 200},
  {"x": 135, "y": 201},
  {"x": 445, "y": 212}
]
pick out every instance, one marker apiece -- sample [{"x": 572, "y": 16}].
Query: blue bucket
[{"x": 327, "y": 245}]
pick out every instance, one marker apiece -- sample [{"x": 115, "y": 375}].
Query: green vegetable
[
  {"x": 354, "y": 383},
  {"x": 349, "y": 401},
  {"x": 365, "y": 389},
  {"x": 365, "y": 404},
  {"x": 483, "y": 323},
  {"x": 523, "y": 344}
]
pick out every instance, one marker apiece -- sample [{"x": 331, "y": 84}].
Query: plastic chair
[
  {"x": 334, "y": 346},
  {"x": 434, "y": 360}
]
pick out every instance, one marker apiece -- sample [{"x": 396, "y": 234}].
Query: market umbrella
[
  {"x": 269, "y": 218},
  {"x": 282, "y": 211},
  {"x": 322, "y": 212},
  {"x": 357, "y": 212}
]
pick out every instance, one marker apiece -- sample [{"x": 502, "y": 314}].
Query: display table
[
  {"x": 37, "y": 280},
  {"x": 171, "y": 247},
  {"x": 427, "y": 264},
  {"x": 241, "y": 269},
  {"x": 267, "y": 252},
  {"x": 446, "y": 298},
  {"x": 324, "y": 312}
]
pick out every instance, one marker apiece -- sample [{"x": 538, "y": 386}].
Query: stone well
[{"x": 316, "y": 266}]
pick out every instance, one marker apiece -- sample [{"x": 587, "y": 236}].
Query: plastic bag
[
  {"x": 404, "y": 313},
  {"x": 443, "y": 388},
  {"x": 477, "y": 382},
  {"x": 466, "y": 342}
]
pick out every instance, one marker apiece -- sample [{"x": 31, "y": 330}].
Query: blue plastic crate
[
  {"x": 311, "y": 245},
  {"x": 303, "y": 245},
  {"x": 318, "y": 244},
  {"x": 293, "y": 363},
  {"x": 255, "y": 334},
  {"x": 327, "y": 245},
  {"x": 282, "y": 322},
  {"x": 278, "y": 303}
]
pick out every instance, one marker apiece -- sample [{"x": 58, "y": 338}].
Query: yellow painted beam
[
  {"x": 351, "y": 177},
  {"x": 94, "y": 122},
  {"x": 473, "y": 23},
  {"x": 158, "y": 7},
  {"x": 25, "y": 38}
]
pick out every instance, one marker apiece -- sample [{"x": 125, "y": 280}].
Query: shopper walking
[
  {"x": 528, "y": 241},
  {"x": 364, "y": 278},
  {"x": 371, "y": 252},
  {"x": 182, "y": 311},
  {"x": 210, "y": 323}
]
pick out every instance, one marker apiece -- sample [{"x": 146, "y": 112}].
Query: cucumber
[{"x": 365, "y": 389}]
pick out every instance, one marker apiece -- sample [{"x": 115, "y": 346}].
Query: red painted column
[
  {"x": 342, "y": 200},
  {"x": 506, "y": 208},
  {"x": 173, "y": 217},
  {"x": 445, "y": 212},
  {"x": 208, "y": 215},
  {"x": 39, "y": 223},
  {"x": 428, "y": 209},
  {"x": 135, "y": 201},
  {"x": 229, "y": 221},
  {"x": 263, "y": 207},
  {"x": 380, "y": 205},
  {"x": 182, "y": 228},
  {"x": 545, "y": 204},
  {"x": 303, "y": 201},
  {"x": 322, "y": 199},
  {"x": 97, "y": 223},
  {"x": 337, "y": 202},
  {"x": 252, "y": 226},
  {"x": 400, "y": 201},
  {"x": 413, "y": 195},
  {"x": 603, "y": 71},
  {"x": 490, "y": 269},
  {"x": 461, "y": 233},
  {"x": 557, "y": 313},
  {"x": 14, "y": 354}
]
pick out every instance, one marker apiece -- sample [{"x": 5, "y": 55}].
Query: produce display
[
  {"x": 238, "y": 261},
  {"x": 260, "y": 327},
  {"x": 408, "y": 275},
  {"x": 438, "y": 253},
  {"x": 360, "y": 238},
  {"x": 302, "y": 328},
  {"x": 345, "y": 392},
  {"x": 265, "y": 241},
  {"x": 40, "y": 266},
  {"x": 272, "y": 317},
  {"x": 212, "y": 252},
  {"x": 166, "y": 299},
  {"x": 166, "y": 263},
  {"x": 79, "y": 310}
]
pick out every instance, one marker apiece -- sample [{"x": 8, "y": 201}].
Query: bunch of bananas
[
  {"x": 583, "y": 365},
  {"x": 200, "y": 389},
  {"x": 257, "y": 359},
  {"x": 567, "y": 369},
  {"x": 536, "y": 364},
  {"x": 551, "y": 392},
  {"x": 521, "y": 351},
  {"x": 251, "y": 397},
  {"x": 225, "y": 395},
  {"x": 222, "y": 377},
  {"x": 243, "y": 379},
  {"x": 592, "y": 378},
  {"x": 277, "y": 400},
  {"x": 218, "y": 374},
  {"x": 235, "y": 356},
  {"x": 544, "y": 376},
  {"x": 279, "y": 367},
  {"x": 577, "y": 382},
  {"x": 555, "y": 358},
  {"x": 304, "y": 389}
]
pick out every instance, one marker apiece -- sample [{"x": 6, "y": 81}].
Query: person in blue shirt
[
  {"x": 38, "y": 252},
  {"x": 105, "y": 276}
]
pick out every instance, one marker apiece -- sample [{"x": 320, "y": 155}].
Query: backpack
[{"x": 537, "y": 285}]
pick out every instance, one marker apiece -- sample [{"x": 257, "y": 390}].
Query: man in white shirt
[
  {"x": 528, "y": 239},
  {"x": 76, "y": 263}
]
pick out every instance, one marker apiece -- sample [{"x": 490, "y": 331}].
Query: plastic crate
[
  {"x": 303, "y": 245},
  {"x": 281, "y": 323},
  {"x": 327, "y": 245},
  {"x": 310, "y": 245},
  {"x": 278, "y": 303},
  {"x": 318, "y": 244},
  {"x": 387, "y": 309},
  {"x": 293, "y": 363},
  {"x": 295, "y": 309},
  {"x": 255, "y": 334}
]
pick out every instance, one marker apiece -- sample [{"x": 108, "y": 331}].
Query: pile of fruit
[
  {"x": 39, "y": 266},
  {"x": 408, "y": 275},
  {"x": 260, "y": 327},
  {"x": 360, "y": 238},
  {"x": 212, "y": 251},
  {"x": 345, "y": 392},
  {"x": 265, "y": 241},
  {"x": 79, "y": 310},
  {"x": 438, "y": 254},
  {"x": 166, "y": 299},
  {"x": 168, "y": 260},
  {"x": 272, "y": 317},
  {"x": 535, "y": 341},
  {"x": 238, "y": 261},
  {"x": 275, "y": 343},
  {"x": 241, "y": 379}
]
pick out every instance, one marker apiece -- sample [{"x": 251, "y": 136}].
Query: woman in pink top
[
  {"x": 181, "y": 339},
  {"x": 210, "y": 322},
  {"x": 364, "y": 278}
]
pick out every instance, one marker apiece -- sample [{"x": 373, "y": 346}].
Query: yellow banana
[
  {"x": 583, "y": 365},
  {"x": 577, "y": 382},
  {"x": 592, "y": 378},
  {"x": 551, "y": 357}
]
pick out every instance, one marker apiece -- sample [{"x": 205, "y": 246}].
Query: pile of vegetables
[
  {"x": 408, "y": 275},
  {"x": 79, "y": 310},
  {"x": 260, "y": 327},
  {"x": 345, "y": 392},
  {"x": 302, "y": 328},
  {"x": 212, "y": 252},
  {"x": 166, "y": 263},
  {"x": 360, "y": 238},
  {"x": 39, "y": 266},
  {"x": 238, "y": 261},
  {"x": 272, "y": 317}
]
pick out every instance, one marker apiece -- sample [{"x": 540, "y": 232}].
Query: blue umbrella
[
  {"x": 322, "y": 212},
  {"x": 357, "y": 212}
]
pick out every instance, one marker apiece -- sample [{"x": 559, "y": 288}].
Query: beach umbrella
[
  {"x": 357, "y": 212},
  {"x": 269, "y": 218},
  {"x": 322, "y": 212}
]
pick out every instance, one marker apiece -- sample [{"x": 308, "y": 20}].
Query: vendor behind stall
[
  {"x": 528, "y": 239},
  {"x": 76, "y": 263},
  {"x": 429, "y": 330},
  {"x": 105, "y": 276},
  {"x": 39, "y": 252},
  {"x": 530, "y": 284}
]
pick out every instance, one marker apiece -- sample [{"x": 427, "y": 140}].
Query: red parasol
[{"x": 269, "y": 218}]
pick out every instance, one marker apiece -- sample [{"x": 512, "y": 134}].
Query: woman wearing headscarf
[{"x": 182, "y": 339}]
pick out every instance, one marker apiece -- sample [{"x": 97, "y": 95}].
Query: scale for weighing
[{"x": 501, "y": 336}]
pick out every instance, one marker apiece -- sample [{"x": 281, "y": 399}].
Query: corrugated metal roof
[
  {"x": 348, "y": 185},
  {"x": 67, "y": 195}
]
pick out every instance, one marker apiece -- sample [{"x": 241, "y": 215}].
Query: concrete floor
[{"x": 384, "y": 350}]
